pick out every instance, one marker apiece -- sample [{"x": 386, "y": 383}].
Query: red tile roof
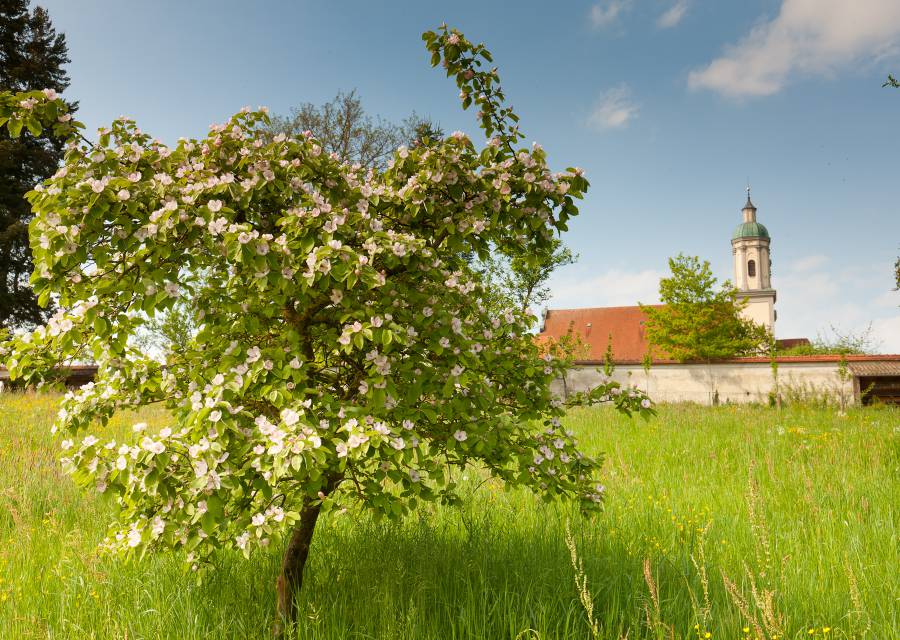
[{"x": 595, "y": 325}]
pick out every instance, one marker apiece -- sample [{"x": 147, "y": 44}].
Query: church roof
[
  {"x": 595, "y": 324},
  {"x": 750, "y": 230}
]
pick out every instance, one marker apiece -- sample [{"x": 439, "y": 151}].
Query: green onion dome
[{"x": 750, "y": 230}]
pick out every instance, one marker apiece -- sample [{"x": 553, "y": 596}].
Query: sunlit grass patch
[{"x": 737, "y": 522}]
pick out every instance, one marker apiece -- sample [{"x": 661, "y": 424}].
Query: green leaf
[
  {"x": 208, "y": 522},
  {"x": 15, "y": 127},
  {"x": 34, "y": 125}
]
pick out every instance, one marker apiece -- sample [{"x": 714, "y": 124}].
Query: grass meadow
[{"x": 728, "y": 522}]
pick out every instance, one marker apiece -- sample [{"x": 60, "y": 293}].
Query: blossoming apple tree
[{"x": 345, "y": 350}]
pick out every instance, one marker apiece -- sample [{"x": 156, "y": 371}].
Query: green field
[{"x": 783, "y": 523}]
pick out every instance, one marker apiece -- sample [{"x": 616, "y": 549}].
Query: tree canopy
[
  {"x": 345, "y": 352},
  {"x": 343, "y": 128},
  {"x": 699, "y": 321},
  {"x": 32, "y": 57},
  {"x": 521, "y": 278}
]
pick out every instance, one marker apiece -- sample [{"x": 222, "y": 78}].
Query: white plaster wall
[
  {"x": 761, "y": 311},
  {"x": 744, "y": 382}
]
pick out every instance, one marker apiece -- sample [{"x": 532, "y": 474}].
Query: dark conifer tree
[{"x": 32, "y": 56}]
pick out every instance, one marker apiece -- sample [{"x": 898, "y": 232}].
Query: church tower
[{"x": 752, "y": 267}]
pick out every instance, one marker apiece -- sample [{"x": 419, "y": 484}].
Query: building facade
[{"x": 845, "y": 380}]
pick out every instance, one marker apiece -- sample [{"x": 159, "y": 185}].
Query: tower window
[{"x": 751, "y": 268}]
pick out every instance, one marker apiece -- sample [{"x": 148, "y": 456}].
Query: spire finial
[{"x": 749, "y": 204}]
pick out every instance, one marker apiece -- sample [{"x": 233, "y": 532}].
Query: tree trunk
[{"x": 291, "y": 579}]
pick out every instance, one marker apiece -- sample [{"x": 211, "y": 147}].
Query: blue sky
[{"x": 670, "y": 106}]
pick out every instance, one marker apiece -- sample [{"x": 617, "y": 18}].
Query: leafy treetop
[{"x": 697, "y": 321}]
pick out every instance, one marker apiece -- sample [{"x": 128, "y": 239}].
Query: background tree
[
  {"x": 343, "y": 127},
  {"x": 423, "y": 131},
  {"x": 699, "y": 321},
  {"x": 170, "y": 330},
  {"x": 347, "y": 354},
  {"x": 521, "y": 279},
  {"x": 836, "y": 342},
  {"x": 32, "y": 56}
]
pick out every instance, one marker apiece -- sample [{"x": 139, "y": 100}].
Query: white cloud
[
  {"x": 613, "y": 110},
  {"x": 888, "y": 331},
  {"x": 809, "y": 263},
  {"x": 816, "y": 297},
  {"x": 807, "y": 37},
  {"x": 607, "y": 12},
  {"x": 673, "y": 15},
  {"x": 612, "y": 288}
]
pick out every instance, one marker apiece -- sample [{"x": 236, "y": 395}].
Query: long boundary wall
[{"x": 733, "y": 381}]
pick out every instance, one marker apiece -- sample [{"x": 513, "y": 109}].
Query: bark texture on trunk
[{"x": 291, "y": 579}]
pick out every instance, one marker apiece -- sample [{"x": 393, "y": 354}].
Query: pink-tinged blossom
[
  {"x": 134, "y": 538},
  {"x": 460, "y": 435},
  {"x": 242, "y": 539},
  {"x": 216, "y": 227}
]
